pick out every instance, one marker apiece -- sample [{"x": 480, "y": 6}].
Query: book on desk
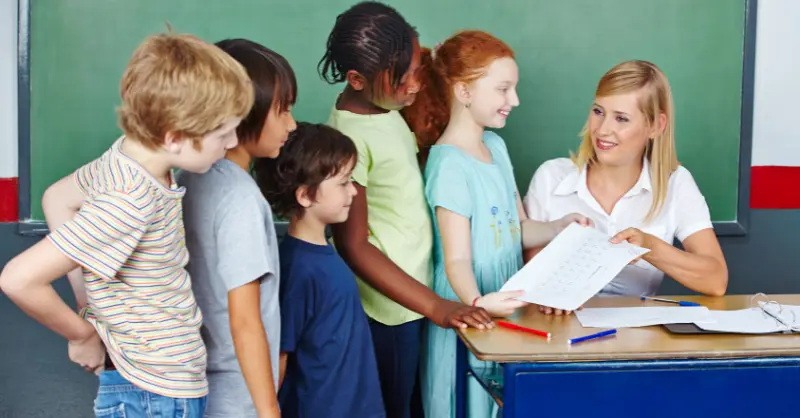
[{"x": 765, "y": 317}]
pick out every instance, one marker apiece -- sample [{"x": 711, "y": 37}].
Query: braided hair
[{"x": 369, "y": 38}]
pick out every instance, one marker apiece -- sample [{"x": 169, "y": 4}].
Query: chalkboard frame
[{"x": 738, "y": 227}]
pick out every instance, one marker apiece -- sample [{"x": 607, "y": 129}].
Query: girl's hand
[
  {"x": 563, "y": 223},
  {"x": 553, "y": 311},
  {"x": 450, "y": 314},
  {"x": 501, "y": 304}
]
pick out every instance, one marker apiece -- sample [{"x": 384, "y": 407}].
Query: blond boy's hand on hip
[{"x": 89, "y": 353}]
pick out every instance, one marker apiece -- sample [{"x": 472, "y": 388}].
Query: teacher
[{"x": 627, "y": 179}]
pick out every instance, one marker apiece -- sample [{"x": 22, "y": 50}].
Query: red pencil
[{"x": 509, "y": 325}]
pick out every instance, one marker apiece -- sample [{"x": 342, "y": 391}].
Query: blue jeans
[
  {"x": 119, "y": 398},
  {"x": 397, "y": 350}
]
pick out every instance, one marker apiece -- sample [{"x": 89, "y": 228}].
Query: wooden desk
[{"x": 644, "y": 371}]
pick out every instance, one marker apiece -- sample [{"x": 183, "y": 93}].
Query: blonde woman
[{"x": 627, "y": 179}]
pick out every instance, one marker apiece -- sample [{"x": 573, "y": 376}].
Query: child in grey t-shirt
[{"x": 233, "y": 249}]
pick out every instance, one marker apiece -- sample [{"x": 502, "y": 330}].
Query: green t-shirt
[{"x": 399, "y": 220}]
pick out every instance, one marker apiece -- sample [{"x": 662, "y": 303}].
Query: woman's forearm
[{"x": 701, "y": 273}]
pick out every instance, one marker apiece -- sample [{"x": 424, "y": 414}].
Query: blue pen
[
  {"x": 679, "y": 302},
  {"x": 592, "y": 336}
]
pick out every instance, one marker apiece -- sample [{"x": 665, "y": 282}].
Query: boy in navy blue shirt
[{"x": 327, "y": 363}]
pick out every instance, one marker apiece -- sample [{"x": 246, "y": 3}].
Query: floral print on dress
[
  {"x": 496, "y": 228},
  {"x": 513, "y": 226}
]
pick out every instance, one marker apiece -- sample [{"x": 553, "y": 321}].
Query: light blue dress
[{"x": 486, "y": 193}]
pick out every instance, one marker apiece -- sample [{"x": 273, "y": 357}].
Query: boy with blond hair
[{"x": 119, "y": 218}]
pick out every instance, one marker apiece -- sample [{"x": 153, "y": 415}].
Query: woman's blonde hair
[{"x": 656, "y": 99}]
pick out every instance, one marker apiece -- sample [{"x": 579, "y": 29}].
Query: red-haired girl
[{"x": 469, "y": 84}]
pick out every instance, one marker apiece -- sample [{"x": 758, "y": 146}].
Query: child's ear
[
  {"x": 356, "y": 81},
  {"x": 462, "y": 93},
  {"x": 173, "y": 142},
  {"x": 302, "y": 197}
]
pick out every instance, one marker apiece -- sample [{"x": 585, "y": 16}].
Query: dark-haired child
[
  {"x": 327, "y": 356},
  {"x": 388, "y": 238},
  {"x": 231, "y": 237}
]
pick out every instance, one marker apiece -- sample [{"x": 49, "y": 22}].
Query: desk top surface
[{"x": 645, "y": 343}]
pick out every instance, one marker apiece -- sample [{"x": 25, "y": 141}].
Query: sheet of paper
[
  {"x": 643, "y": 316},
  {"x": 572, "y": 268}
]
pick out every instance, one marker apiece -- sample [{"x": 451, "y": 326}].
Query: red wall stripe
[
  {"x": 9, "y": 200},
  {"x": 771, "y": 187},
  {"x": 774, "y": 187}
]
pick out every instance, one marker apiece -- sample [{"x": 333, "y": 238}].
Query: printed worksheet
[{"x": 572, "y": 268}]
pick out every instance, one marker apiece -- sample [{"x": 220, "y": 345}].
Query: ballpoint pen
[
  {"x": 592, "y": 336},
  {"x": 678, "y": 302}
]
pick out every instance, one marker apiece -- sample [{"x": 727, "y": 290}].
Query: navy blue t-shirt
[{"x": 331, "y": 370}]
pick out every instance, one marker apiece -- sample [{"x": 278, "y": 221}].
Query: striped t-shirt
[{"x": 128, "y": 236}]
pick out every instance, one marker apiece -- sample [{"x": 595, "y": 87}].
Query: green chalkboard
[{"x": 79, "y": 49}]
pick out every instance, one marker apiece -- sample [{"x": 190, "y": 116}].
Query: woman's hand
[
  {"x": 501, "y": 304},
  {"x": 636, "y": 237}
]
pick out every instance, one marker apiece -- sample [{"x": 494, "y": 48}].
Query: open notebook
[{"x": 766, "y": 318}]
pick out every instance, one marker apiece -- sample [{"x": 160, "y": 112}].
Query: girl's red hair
[{"x": 464, "y": 57}]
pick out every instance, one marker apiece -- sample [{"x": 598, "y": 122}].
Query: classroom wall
[
  {"x": 765, "y": 260},
  {"x": 45, "y": 382},
  {"x": 776, "y": 149},
  {"x": 8, "y": 110}
]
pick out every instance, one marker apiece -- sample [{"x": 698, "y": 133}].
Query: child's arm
[
  {"x": 243, "y": 265},
  {"x": 101, "y": 237},
  {"x": 282, "y": 368},
  {"x": 457, "y": 246},
  {"x": 536, "y": 234},
  {"x": 380, "y": 272},
  {"x": 252, "y": 347},
  {"x": 60, "y": 202},
  {"x": 27, "y": 279}
]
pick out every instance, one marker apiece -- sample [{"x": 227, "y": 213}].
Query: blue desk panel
[{"x": 745, "y": 387}]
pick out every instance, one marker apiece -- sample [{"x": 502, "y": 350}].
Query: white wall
[
  {"x": 8, "y": 88},
  {"x": 776, "y": 114}
]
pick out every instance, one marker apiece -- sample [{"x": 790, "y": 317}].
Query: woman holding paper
[
  {"x": 627, "y": 179},
  {"x": 480, "y": 227}
]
